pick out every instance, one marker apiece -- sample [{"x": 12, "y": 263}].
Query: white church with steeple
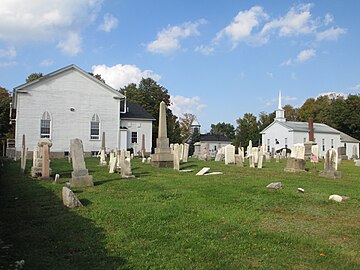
[{"x": 284, "y": 134}]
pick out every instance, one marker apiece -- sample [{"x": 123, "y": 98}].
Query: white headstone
[
  {"x": 315, "y": 153},
  {"x": 186, "y": 152},
  {"x": 229, "y": 154},
  {"x": 176, "y": 157},
  {"x": 203, "y": 171},
  {"x": 298, "y": 151}
]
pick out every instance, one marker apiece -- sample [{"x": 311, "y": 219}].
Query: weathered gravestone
[
  {"x": 314, "y": 154},
  {"x": 101, "y": 154},
  {"x": 126, "y": 169},
  {"x": 186, "y": 152},
  {"x": 220, "y": 154},
  {"x": 36, "y": 169},
  {"x": 342, "y": 153},
  {"x": 330, "y": 165},
  {"x": 229, "y": 154},
  {"x": 176, "y": 157},
  {"x": 112, "y": 162},
  {"x": 79, "y": 176},
  {"x": 255, "y": 154},
  {"x": 296, "y": 163},
  {"x": 23, "y": 155},
  {"x": 239, "y": 161},
  {"x": 203, "y": 171},
  {"x": 355, "y": 154},
  {"x": 275, "y": 185},
  {"x": 69, "y": 198},
  {"x": 260, "y": 158}
]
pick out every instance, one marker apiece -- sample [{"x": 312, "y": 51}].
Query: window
[
  {"x": 95, "y": 128},
  {"x": 45, "y": 125},
  {"x": 323, "y": 144},
  {"x": 286, "y": 143},
  {"x": 332, "y": 143},
  {"x": 133, "y": 137},
  {"x": 304, "y": 139}
]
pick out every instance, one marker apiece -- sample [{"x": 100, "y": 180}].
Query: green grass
[{"x": 163, "y": 219}]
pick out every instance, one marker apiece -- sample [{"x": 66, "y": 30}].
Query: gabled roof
[
  {"x": 213, "y": 138},
  {"x": 347, "y": 139},
  {"x": 135, "y": 111},
  {"x": 303, "y": 127},
  {"x": 21, "y": 87}
]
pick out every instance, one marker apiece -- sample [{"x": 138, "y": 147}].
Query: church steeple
[{"x": 280, "y": 113}]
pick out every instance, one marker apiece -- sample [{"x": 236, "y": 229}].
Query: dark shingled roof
[
  {"x": 135, "y": 111},
  {"x": 211, "y": 138}
]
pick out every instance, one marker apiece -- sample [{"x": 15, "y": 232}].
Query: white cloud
[
  {"x": 8, "y": 64},
  {"x": 121, "y": 75},
  {"x": 332, "y": 33},
  {"x": 180, "y": 105},
  {"x": 205, "y": 50},
  {"x": 332, "y": 94},
  {"x": 296, "y": 21},
  {"x": 109, "y": 23},
  {"x": 241, "y": 28},
  {"x": 46, "y": 21},
  {"x": 46, "y": 63},
  {"x": 305, "y": 55},
  {"x": 71, "y": 45},
  {"x": 288, "y": 62},
  {"x": 10, "y": 53},
  {"x": 168, "y": 39},
  {"x": 356, "y": 87},
  {"x": 328, "y": 19}
]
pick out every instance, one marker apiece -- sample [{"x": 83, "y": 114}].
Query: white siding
[
  {"x": 280, "y": 133},
  {"x": 141, "y": 127},
  {"x": 57, "y": 95},
  {"x": 330, "y": 141}
]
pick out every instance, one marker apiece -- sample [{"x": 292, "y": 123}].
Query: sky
[{"x": 217, "y": 59}]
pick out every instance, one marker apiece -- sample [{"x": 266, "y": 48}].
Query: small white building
[
  {"x": 70, "y": 103},
  {"x": 284, "y": 134}
]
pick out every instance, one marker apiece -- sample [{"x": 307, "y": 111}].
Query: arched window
[
  {"x": 45, "y": 125},
  {"x": 95, "y": 127}
]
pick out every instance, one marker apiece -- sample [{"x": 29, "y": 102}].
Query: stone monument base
[
  {"x": 162, "y": 160},
  {"x": 295, "y": 165},
  {"x": 308, "y": 149},
  {"x": 330, "y": 174},
  {"x": 81, "y": 181}
]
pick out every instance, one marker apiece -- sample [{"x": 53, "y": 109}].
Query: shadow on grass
[{"x": 37, "y": 228}]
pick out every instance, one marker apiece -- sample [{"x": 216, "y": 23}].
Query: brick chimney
[{"x": 311, "y": 129}]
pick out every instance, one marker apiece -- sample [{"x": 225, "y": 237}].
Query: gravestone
[
  {"x": 298, "y": 151},
  {"x": 295, "y": 165},
  {"x": 162, "y": 157},
  {"x": 330, "y": 165},
  {"x": 229, "y": 154},
  {"x": 277, "y": 157},
  {"x": 69, "y": 198},
  {"x": 276, "y": 185},
  {"x": 23, "y": 155},
  {"x": 203, "y": 171},
  {"x": 176, "y": 157},
  {"x": 112, "y": 162},
  {"x": 249, "y": 149},
  {"x": 204, "y": 152},
  {"x": 283, "y": 153},
  {"x": 79, "y": 176},
  {"x": 314, "y": 153},
  {"x": 36, "y": 169},
  {"x": 197, "y": 146},
  {"x": 251, "y": 161},
  {"x": 357, "y": 163},
  {"x": 45, "y": 168},
  {"x": 255, "y": 154},
  {"x": 267, "y": 157},
  {"x": 260, "y": 158},
  {"x": 239, "y": 161},
  {"x": 126, "y": 169},
  {"x": 102, "y": 152},
  {"x": 57, "y": 179},
  {"x": 342, "y": 153},
  {"x": 220, "y": 154},
  {"x": 143, "y": 150},
  {"x": 186, "y": 152},
  {"x": 181, "y": 149}
]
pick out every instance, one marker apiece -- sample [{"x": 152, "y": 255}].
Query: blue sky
[{"x": 218, "y": 59}]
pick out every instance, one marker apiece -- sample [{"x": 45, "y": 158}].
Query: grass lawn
[{"x": 163, "y": 219}]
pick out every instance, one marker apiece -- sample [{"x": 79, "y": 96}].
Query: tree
[
  {"x": 33, "y": 77},
  {"x": 97, "y": 76},
  {"x": 265, "y": 120},
  {"x": 291, "y": 113},
  {"x": 223, "y": 129},
  {"x": 195, "y": 137},
  {"x": 149, "y": 94},
  {"x": 246, "y": 130},
  {"x": 6, "y": 130},
  {"x": 185, "y": 125}
]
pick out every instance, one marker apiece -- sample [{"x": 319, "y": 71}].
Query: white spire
[
  {"x": 279, "y": 104},
  {"x": 280, "y": 114}
]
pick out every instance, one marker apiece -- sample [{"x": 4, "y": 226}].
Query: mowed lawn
[{"x": 164, "y": 219}]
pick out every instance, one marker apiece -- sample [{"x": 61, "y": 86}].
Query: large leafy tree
[
  {"x": 5, "y": 127},
  {"x": 185, "y": 125},
  {"x": 223, "y": 129},
  {"x": 149, "y": 94},
  {"x": 33, "y": 77},
  {"x": 246, "y": 130}
]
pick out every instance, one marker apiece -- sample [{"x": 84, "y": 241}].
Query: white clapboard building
[
  {"x": 284, "y": 134},
  {"x": 70, "y": 103}
]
